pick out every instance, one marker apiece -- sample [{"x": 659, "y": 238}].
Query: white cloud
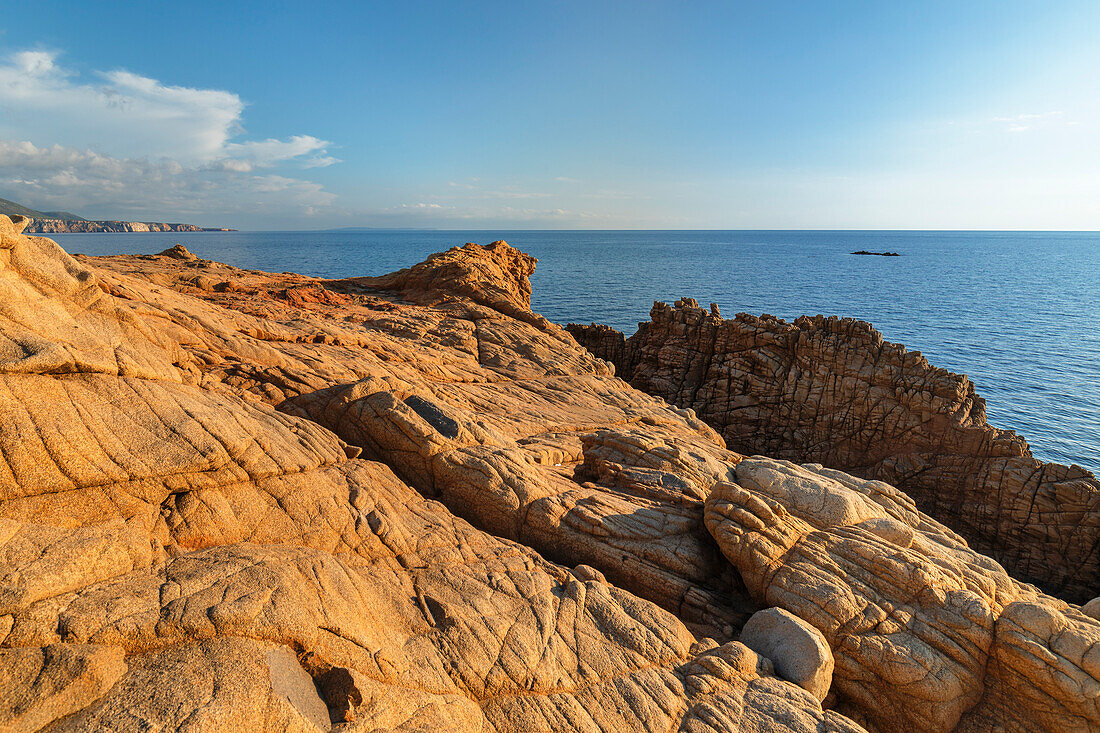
[
  {"x": 306, "y": 149},
  {"x": 444, "y": 214},
  {"x": 116, "y": 141},
  {"x": 137, "y": 188},
  {"x": 510, "y": 192},
  {"x": 121, "y": 113},
  {"x": 1032, "y": 120}
]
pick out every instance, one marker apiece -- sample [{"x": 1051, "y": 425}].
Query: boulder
[
  {"x": 796, "y": 649},
  {"x": 179, "y": 252},
  {"x": 926, "y": 634}
]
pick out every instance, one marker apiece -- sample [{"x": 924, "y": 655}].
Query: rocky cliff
[
  {"x": 68, "y": 226},
  {"x": 233, "y": 500},
  {"x": 832, "y": 391}
]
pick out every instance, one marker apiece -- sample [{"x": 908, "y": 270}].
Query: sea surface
[{"x": 1019, "y": 312}]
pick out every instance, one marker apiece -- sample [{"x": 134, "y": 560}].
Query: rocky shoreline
[
  {"x": 833, "y": 391},
  {"x": 77, "y": 226},
  {"x": 236, "y": 500}
]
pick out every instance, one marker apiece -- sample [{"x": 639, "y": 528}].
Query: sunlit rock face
[
  {"x": 71, "y": 226},
  {"x": 832, "y": 391},
  {"x": 233, "y": 500},
  {"x": 926, "y": 633},
  {"x": 177, "y": 555}
]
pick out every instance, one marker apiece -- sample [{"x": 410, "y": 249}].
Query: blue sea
[{"x": 1019, "y": 312}]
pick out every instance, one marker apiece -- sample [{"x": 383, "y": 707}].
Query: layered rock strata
[
  {"x": 832, "y": 391},
  {"x": 176, "y": 554},
  {"x": 926, "y": 634}
]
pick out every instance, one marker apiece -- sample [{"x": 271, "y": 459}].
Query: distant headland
[{"x": 64, "y": 222}]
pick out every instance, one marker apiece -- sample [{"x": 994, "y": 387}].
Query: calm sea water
[{"x": 1019, "y": 312}]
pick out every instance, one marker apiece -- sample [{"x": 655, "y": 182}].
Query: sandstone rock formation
[
  {"x": 499, "y": 280},
  {"x": 179, "y": 252},
  {"x": 456, "y": 519},
  {"x": 176, "y": 555},
  {"x": 506, "y": 420},
  {"x": 926, "y": 633},
  {"x": 832, "y": 391}
]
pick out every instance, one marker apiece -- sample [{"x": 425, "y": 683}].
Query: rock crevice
[{"x": 833, "y": 391}]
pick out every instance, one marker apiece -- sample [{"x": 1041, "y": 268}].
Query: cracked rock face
[
  {"x": 925, "y": 632},
  {"x": 832, "y": 391},
  {"x": 177, "y": 555},
  {"x": 233, "y": 500}
]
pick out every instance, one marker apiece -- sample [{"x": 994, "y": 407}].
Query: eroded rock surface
[
  {"x": 177, "y": 555},
  {"x": 926, "y": 633},
  {"x": 832, "y": 391},
  {"x": 506, "y": 420}
]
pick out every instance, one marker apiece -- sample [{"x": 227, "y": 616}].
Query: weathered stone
[
  {"x": 199, "y": 552},
  {"x": 290, "y": 681},
  {"x": 43, "y": 684},
  {"x": 832, "y": 391},
  {"x": 179, "y": 252},
  {"x": 926, "y": 633},
  {"x": 154, "y": 506},
  {"x": 797, "y": 650}
]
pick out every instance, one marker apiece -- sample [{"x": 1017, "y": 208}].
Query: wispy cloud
[
  {"x": 66, "y": 177},
  {"x": 511, "y": 202},
  {"x": 306, "y": 150},
  {"x": 474, "y": 189},
  {"x": 116, "y": 141},
  {"x": 465, "y": 214},
  {"x": 1031, "y": 120},
  {"x": 420, "y": 206}
]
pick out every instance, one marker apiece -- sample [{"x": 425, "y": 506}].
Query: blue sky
[{"x": 556, "y": 115}]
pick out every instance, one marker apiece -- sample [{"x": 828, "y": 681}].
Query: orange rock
[
  {"x": 456, "y": 519},
  {"x": 832, "y": 391},
  {"x": 175, "y": 554}
]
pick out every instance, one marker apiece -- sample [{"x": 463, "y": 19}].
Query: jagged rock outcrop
[
  {"x": 832, "y": 391},
  {"x": 495, "y": 275},
  {"x": 177, "y": 555},
  {"x": 605, "y": 342},
  {"x": 179, "y": 252},
  {"x": 926, "y": 633}
]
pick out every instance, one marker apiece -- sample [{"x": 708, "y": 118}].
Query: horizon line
[{"x": 658, "y": 229}]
